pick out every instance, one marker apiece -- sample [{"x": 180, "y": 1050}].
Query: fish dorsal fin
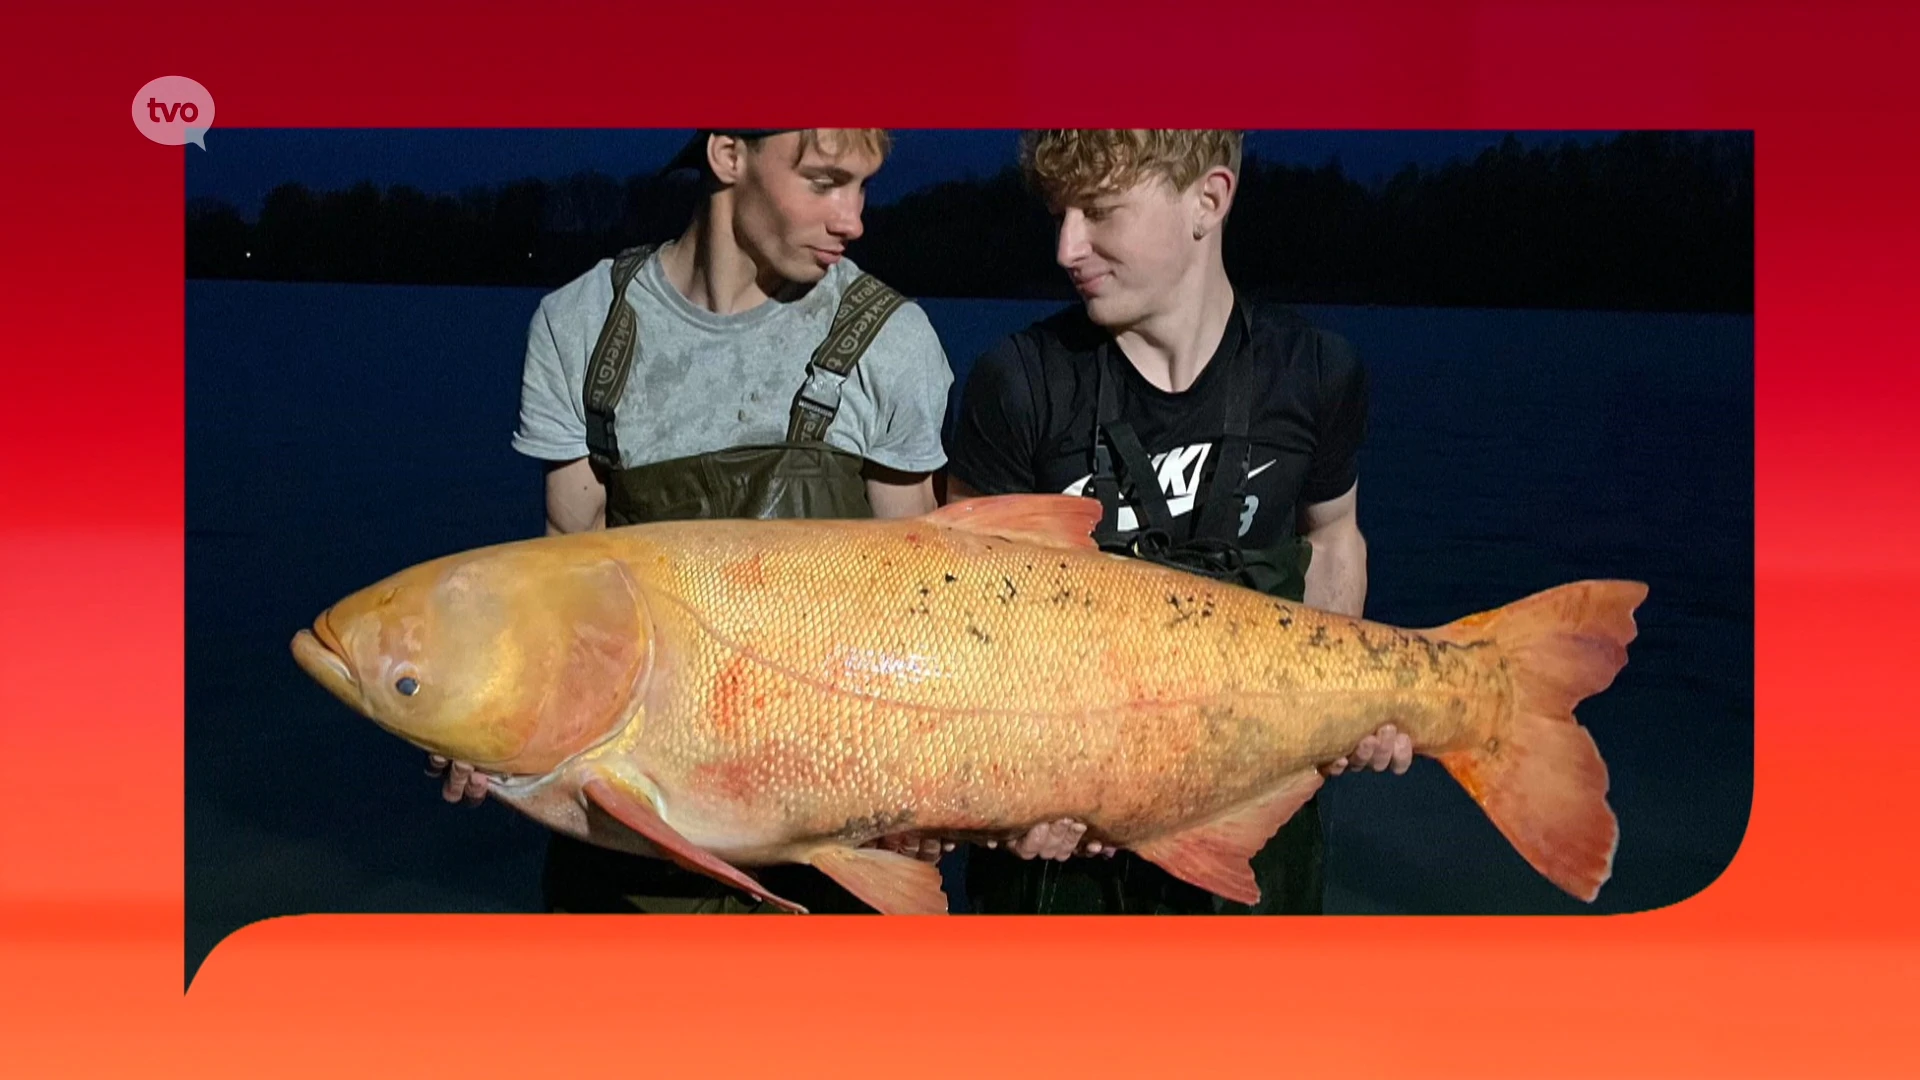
[
  {"x": 1062, "y": 521},
  {"x": 1215, "y": 855}
]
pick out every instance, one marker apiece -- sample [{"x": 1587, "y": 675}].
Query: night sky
[{"x": 241, "y": 166}]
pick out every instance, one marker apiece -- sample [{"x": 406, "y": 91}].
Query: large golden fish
[{"x": 729, "y": 694}]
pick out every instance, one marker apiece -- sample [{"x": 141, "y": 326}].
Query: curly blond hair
[{"x": 1065, "y": 166}]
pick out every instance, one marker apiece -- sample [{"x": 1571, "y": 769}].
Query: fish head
[{"x": 512, "y": 659}]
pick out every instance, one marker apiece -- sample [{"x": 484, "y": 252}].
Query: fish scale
[{"x": 1009, "y": 663}]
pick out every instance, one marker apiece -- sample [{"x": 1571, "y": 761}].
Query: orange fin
[
  {"x": 640, "y": 816},
  {"x": 1214, "y": 855},
  {"x": 1048, "y": 520},
  {"x": 892, "y": 883},
  {"x": 1538, "y": 775}
]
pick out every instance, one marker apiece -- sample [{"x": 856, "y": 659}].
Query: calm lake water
[{"x": 337, "y": 433}]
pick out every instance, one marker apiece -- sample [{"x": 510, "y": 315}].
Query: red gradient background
[{"x": 1799, "y": 961}]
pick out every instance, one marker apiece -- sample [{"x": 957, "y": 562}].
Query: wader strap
[
  {"x": 1149, "y": 503},
  {"x": 864, "y": 310},
  {"x": 1105, "y": 486},
  {"x": 611, "y": 361},
  {"x": 1220, "y": 517}
]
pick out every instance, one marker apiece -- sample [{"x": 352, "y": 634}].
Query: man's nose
[
  {"x": 1070, "y": 245},
  {"x": 846, "y": 223}
]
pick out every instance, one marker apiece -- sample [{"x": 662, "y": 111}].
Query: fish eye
[{"x": 407, "y": 685}]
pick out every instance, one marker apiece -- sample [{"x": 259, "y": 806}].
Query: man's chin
[
  {"x": 805, "y": 273},
  {"x": 1103, "y": 312}
]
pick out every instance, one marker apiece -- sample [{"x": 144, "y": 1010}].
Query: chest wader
[
  {"x": 1289, "y": 868},
  {"x": 800, "y": 477}
]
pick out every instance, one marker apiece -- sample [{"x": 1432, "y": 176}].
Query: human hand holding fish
[
  {"x": 463, "y": 783},
  {"x": 1057, "y": 840},
  {"x": 924, "y": 848},
  {"x": 1383, "y": 748}
]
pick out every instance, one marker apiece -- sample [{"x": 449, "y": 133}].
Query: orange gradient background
[{"x": 1800, "y": 960}]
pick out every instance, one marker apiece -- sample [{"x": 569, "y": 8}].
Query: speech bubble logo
[{"x": 173, "y": 110}]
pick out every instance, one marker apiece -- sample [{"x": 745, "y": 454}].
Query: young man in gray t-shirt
[
  {"x": 727, "y": 316},
  {"x": 704, "y": 380}
]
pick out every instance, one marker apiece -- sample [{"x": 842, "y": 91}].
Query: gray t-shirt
[{"x": 702, "y": 382}]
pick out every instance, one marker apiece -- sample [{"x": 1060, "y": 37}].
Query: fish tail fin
[{"x": 1538, "y": 774}]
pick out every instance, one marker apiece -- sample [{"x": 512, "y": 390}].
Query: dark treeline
[{"x": 1642, "y": 221}]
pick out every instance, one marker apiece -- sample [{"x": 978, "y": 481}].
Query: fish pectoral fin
[
  {"x": 1063, "y": 521},
  {"x": 639, "y": 815},
  {"x": 893, "y": 884},
  {"x": 1214, "y": 855}
]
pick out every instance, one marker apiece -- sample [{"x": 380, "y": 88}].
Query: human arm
[
  {"x": 1337, "y": 573},
  {"x": 896, "y": 494},
  {"x": 891, "y": 411},
  {"x": 1327, "y": 510},
  {"x": 576, "y": 498}
]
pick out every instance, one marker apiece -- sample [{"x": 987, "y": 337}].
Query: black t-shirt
[{"x": 1026, "y": 420}]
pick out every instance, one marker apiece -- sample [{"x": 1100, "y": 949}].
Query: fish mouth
[{"x": 319, "y": 653}]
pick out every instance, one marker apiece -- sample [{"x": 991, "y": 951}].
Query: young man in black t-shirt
[{"x": 1221, "y": 436}]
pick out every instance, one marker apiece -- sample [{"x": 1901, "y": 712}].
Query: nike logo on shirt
[{"x": 1178, "y": 472}]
